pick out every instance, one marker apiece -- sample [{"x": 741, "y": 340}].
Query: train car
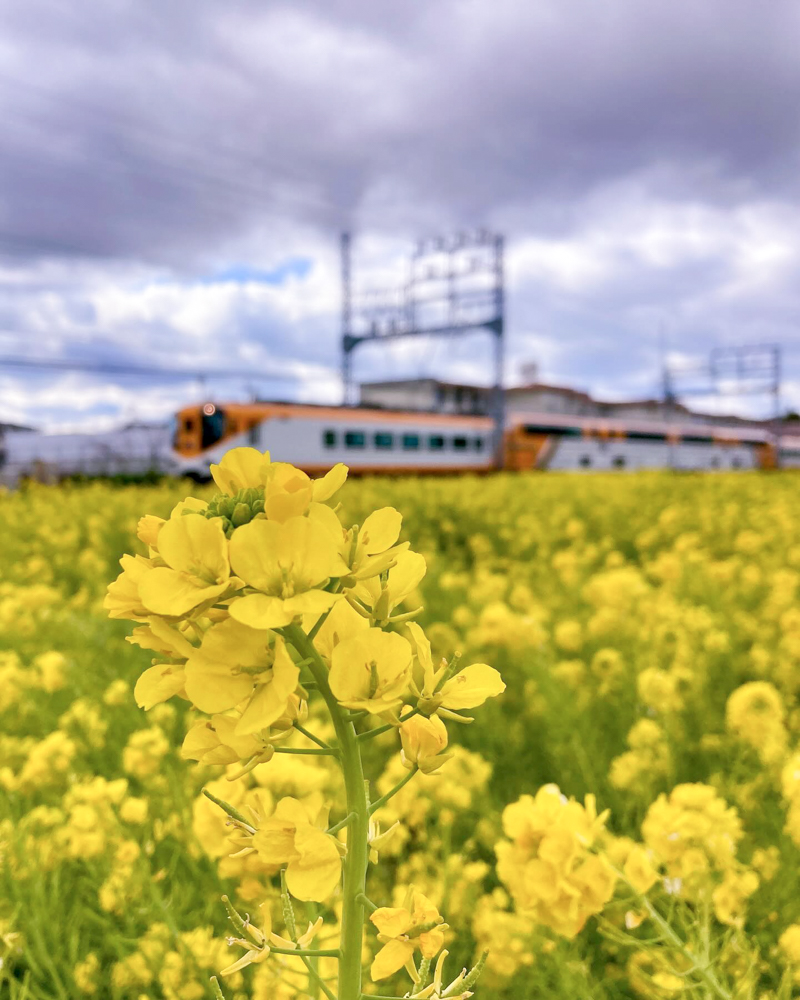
[
  {"x": 387, "y": 441},
  {"x": 543, "y": 441},
  {"x": 132, "y": 450},
  {"x": 316, "y": 437},
  {"x": 789, "y": 451}
]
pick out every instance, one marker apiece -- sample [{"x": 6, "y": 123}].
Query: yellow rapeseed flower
[
  {"x": 197, "y": 570},
  {"x": 288, "y": 564},
  {"x": 402, "y": 929},
  {"x": 295, "y": 837},
  {"x": 438, "y": 689},
  {"x": 370, "y": 671},
  {"x": 369, "y": 550},
  {"x": 235, "y": 664},
  {"x": 423, "y": 741}
]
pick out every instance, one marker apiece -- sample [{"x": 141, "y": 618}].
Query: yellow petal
[
  {"x": 255, "y": 552},
  {"x": 430, "y": 943},
  {"x": 317, "y": 871},
  {"x": 282, "y": 506},
  {"x": 323, "y": 489},
  {"x": 188, "y": 503},
  {"x": 406, "y": 575},
  {"x": 199, "y": 740},
  {"x": 269, "y": 702},
  {"x": 214, "y": 687},
  {"x": 312, "y": 602},
  {"x": 390, "y": 958},
  {"x": 163, "y": 638},
  {"x": 343, "y": 622},
  {"x": 168, "y": 592},
  {"x": 274, "y": 841},
  {"x": 287, "y": 492},
  {"x": 196, "y": 545},
  {"x": 215, "y": 680},
  {"x": 290, "y": 808},
  {"x": 148, "y": 528},
  {"x": 329, "y": 519},
  {"x": 159, "y": 683},
  {"x": 380, "y": 530},
  {"x": 423, "y": 739},
  {"x": 314, "y": 554},
  {"x": 392, "y": 920},
  {"x": 472, "y": 686},
  {"x": 239, "y": 469},
  {"x": 122, "y": 598},
  {"x": 421, "y": 644},
  {"x": 352, "y": 673},
  {"x": 261, "y": 612}
]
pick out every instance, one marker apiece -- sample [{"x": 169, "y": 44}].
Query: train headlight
[{"x": 209, "y": 409}]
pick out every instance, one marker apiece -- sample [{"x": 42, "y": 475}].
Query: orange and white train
[{"x": 391, "y": 441}]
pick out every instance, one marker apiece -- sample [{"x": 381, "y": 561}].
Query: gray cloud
[{"x": 642, "y": 159}]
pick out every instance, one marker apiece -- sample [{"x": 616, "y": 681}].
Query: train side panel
[
  {"x": 575, "y": 452},
  {"x": 403, "y": 442}
]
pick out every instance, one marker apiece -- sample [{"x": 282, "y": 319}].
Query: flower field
[{"x": 621, "y": 821}]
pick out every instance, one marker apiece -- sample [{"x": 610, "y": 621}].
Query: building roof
[
  {"x": 547, "y": 387},
  {"x": 390, "y": 383},
  {"x": 14, "y": 427}
]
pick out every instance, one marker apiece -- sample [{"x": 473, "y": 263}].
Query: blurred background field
[{"x": 623, "y": 612}]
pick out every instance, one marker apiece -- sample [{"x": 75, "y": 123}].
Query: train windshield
[{"x": 213, "y": 425}]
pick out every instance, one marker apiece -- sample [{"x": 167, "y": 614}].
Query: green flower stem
[
  {"x": 315, "y": 976},
  {"x": 312, "y": 737},
  {"x": 703, "y": 969},
  {"x": 372, "y": 907},
  {"x": 390, "y": 794},
  {"x": 341, "y": 824},
  {"x": 307, "y": 953},
  {"x": 230, "y": 810},
  {"x": 371, "y": 733},
  {"x": 355, "y": 864},
  {"x": 331, "y": 752}
]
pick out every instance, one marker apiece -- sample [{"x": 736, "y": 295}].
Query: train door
[{"x": 525, "y": 450}]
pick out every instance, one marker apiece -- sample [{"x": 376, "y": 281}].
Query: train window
[
  {"x": 383, "y": 440},
  {"x": 355, "y": 439},
  {"x": 436, "y": 442},
  {"x": 188, "y": 424},
  {"x": 329, "y": 439},
  {"x": 477, "y": 444},
  {"x": 619, "y": 462},
  {"x": 459, "y": 443},
  {"x": 212, "y": 425},
  {"x": 585, "y": 461},
  {"x": 736, "y": 463},
  {"x": 714, "y": 462},
  {"x": 411, "y": 442}
]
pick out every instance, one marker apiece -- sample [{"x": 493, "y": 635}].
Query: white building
[{"x": 434, "y": 396}]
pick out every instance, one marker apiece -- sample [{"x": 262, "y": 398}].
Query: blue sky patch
[{"x": 294, "y": 267}]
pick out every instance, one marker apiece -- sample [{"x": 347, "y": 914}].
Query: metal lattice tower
[
  {"x": 752, "y": 369},
  {"x": 455, "y": 286}
]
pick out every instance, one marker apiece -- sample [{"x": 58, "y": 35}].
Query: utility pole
[
  {"x": 456, "y": 286},
  {"x": 347, "y": 315}
]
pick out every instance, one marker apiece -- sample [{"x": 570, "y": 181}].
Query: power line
[{"x": 110, "y": 368}]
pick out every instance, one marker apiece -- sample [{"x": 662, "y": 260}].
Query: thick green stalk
[{"x": 355, "y": 864}]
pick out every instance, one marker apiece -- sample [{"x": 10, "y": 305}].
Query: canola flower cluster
[
  {"x": 254, "y": 603},
  {"x": 624, "y": 822}
]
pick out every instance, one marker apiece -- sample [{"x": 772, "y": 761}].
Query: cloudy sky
[{"x": 174, "y": 178}]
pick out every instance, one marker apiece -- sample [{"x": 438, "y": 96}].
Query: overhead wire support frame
[
  {"x": 455, "y": 287},
  {"x": 747, "y": 369}
]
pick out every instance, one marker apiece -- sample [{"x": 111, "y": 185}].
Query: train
[{"x": 377, "y": 440}]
